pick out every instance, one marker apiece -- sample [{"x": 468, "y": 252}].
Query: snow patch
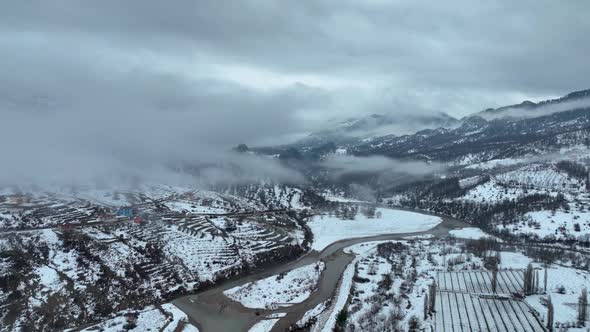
[{"x": 281, "y": 290}]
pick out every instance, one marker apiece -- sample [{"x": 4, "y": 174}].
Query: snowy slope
[{"x": 540, "y": 176}]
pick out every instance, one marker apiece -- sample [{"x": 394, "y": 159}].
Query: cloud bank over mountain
[{"x": 91, "y": 89}]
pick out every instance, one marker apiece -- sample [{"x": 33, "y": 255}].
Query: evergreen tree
[
  {"x": 545, "y": 280},
  {"x": 494, "y": 280},
  {"x": 582, "y": 307},
  {"x": 432, "y": 296},
  {"x": 549, "y": 314},
  {"x": 341, "y": 319},
  {"x": 413, "y": 324},
  {"x": 426, "y": 309},
  {"x": 530, "y": 282}
]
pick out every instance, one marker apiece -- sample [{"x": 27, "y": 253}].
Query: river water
[{"x": 211, "y": 311}]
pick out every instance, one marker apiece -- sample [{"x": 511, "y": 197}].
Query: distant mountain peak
[
  {"x": 578, "y": 94},
  {"x": 527, "y": 103}
]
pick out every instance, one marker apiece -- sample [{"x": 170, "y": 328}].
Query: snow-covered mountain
[
  {"x": 386, "y": 124},
  {"x": 505, "y": 132},
  {"x": 478, "y": 140},
  {"x": 529, "y": 109},
  {"x": 355, "y": 131}
]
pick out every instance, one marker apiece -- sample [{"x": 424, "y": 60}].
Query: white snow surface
[
  {"x": 267, "y": 323},
  {"x": 294, "y": 286},
  {"x": 327, "y": 230},
  {"x": 472, "y": 233},
  {"x": 565, "y": 305},
  {"x": 264, "y": 325},
  {"x": 49, "y": 278},
  {"x": 148, "y": 319}
]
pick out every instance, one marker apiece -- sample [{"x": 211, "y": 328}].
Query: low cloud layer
[
  {"x": 545, "y": 109},
  {"x": 345, "y": 164},
  {"x": 92, "y": 89}
]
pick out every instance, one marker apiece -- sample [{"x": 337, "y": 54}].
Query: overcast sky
[
  {"x": 266, "y": 68},
  {"x": 259, "y": 72}
]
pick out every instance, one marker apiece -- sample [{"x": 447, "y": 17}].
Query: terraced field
[
  {"x": 464, "y": 303},
  {"x": 46, "y": 212}
]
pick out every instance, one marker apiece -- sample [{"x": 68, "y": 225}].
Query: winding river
[{"x": 211, "y": 311}]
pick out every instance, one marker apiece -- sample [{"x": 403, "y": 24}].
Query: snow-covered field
[
  {"x": 564, "y": 285},
  {"x": 277, "y": 291},
  {"x": 398, "y": 273},
  {"x": 386, "y": 283},
  {"x": 327, "y": 230},
  {"x": 559, "y": 224}
]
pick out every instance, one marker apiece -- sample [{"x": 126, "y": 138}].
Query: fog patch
[{"x": 345, "y": 164}]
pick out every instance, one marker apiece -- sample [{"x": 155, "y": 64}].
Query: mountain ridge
[{"x": 529, "y": 106}]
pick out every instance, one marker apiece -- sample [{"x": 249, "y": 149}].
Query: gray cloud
[
  {"x": 71, "y": 120},
  {"x": 457, "y": 50},
  {"x": 112, "y": 85}
]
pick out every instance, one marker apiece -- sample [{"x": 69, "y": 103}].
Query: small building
[
  {"x": 125, "y": 211},
  {"x": 66, "y": 226}
]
